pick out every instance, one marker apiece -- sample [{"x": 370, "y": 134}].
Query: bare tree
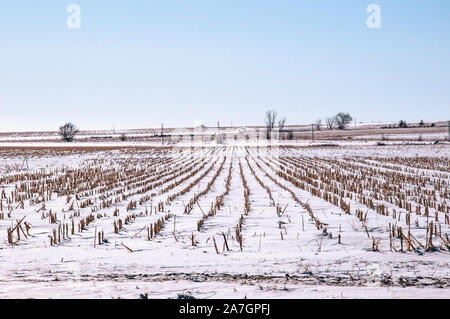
[
  {"x": 290, "y": 135},
  {"x": 281, "y": 123},
  {"x": 271, "y": 118},
  {"x": 402, "y": 124},
  {"x": 330, "y": 121},
  {"x": 68, "y": 131},
  {"x": 342, "y": 120},
  {"x": 318, "y": 124}
]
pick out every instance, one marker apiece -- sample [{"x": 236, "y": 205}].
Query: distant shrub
[
  {"x": 402, "y": 124},
  {"x": 68, "y": 131},
  {"x": 290, "y": 135}
]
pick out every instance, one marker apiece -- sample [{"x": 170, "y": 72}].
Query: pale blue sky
[{"x": 136, "y": 64}]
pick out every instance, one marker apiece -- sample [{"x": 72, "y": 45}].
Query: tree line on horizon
[{"x": 273, "y": 123}]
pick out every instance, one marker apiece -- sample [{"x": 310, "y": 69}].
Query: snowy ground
[
  {"x": 287, "y": 251},
  {"x": 133, "y": 289}
]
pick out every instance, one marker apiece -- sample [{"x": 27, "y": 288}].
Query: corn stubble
[{"x": 415, "y": 206}]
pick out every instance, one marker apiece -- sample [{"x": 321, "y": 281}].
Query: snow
[{"x": 284, "y": 256}]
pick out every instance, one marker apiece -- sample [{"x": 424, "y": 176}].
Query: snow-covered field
[
  {"x": 405, "y": 137},
  {"x": 287, "y": 221}
]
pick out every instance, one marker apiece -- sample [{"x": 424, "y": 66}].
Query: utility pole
[
  {"x": 312, "y": 131},
  {"x": 219, "y": 138},
  {"x": 448, "y": 130}
]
